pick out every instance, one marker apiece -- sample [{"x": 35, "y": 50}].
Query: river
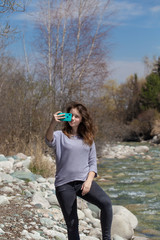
[{"x": 134, "y": 182}]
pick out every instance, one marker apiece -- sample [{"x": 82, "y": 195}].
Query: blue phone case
[{"x": 68, "y": 117}]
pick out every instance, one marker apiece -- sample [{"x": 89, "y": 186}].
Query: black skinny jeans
[{"x": 67, "y": 197}]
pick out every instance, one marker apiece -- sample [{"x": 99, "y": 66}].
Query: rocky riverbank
[
  {"x": 29, "y": 208},
  {"x": 123, "y": 151}
]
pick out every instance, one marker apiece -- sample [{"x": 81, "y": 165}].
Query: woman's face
[{"x": 76, "y": 118}]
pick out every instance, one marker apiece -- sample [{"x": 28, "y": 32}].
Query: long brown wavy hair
[{"x": 85, "y": 128}]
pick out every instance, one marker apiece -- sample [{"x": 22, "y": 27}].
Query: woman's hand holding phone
[
  {"x": 59, "y": 116},
  {"x": 67, "y": 117}
]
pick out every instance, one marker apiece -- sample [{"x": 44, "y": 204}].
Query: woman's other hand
[{"x": 86, "y": 187}]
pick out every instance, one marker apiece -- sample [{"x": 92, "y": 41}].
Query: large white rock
[
  {"x": 124, "y": 212},
  {"x": 121, "y": 227},
  {"x": 140, "y": 238}
]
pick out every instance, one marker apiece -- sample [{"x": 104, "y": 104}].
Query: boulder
[
  {"x": 121, "y": 227},
  {"x": 124, "y": 212}
]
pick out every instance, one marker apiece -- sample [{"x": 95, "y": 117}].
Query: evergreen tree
[{"x": 150, "y": 94}]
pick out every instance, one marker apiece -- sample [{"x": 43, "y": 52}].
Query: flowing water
[{"x": 134, "y": 182}]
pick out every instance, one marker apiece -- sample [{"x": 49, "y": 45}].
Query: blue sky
[{"x": 136, "y": 34}]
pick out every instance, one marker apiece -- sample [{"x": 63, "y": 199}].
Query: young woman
[{"x": 76, "y": 167}]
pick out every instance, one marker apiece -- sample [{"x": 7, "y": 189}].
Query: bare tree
[
  {"x": 149, "y": 64},
  {"x": 9, "y": 7},
  {"x": 73, "y": 48}
]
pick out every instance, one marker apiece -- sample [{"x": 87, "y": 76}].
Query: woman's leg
[
  {"x": 67, "y": 199},
  {"x": 99, "y": 198}
]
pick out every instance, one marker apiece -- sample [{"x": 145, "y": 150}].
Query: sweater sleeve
[
  {"x": 93, "y": 159},
  {"x": 56, "y": 137}
]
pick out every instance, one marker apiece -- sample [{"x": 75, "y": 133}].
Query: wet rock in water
[
  {"x": 122, "y": 151},
  {"x": 139, "y": 238},
  {"x": 140, "y": 149},
  {"x": 151, "y": 232}
]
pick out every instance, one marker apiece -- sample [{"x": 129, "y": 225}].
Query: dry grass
[
  {"x": 41, "y": 164},
  {"x": 13, "y": 145},
  {"x": 156, "y": 128}
]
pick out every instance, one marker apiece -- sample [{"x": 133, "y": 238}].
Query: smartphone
[{"x": 68, "y": 117}]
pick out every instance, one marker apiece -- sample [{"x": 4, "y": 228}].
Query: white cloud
[
  {"x": 121, "y": 70},
  {"x": 155, "y": 9},
  {"x": 125, "y": 10}
]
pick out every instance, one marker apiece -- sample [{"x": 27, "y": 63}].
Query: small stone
[
  {"x": 3, "y": 158},
  {"x": 47, "y": 222},
  {"x": 1, "y": 232},
  {"x": 41, "y": 180},
  {"x": 7, "y": 190},
  {"x": 3, "y": 200}
]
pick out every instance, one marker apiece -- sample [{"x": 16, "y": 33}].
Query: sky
[{"x": 135, "y": 35}]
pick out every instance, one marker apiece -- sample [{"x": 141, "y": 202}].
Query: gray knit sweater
[{"x": 74, "y": 158}]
